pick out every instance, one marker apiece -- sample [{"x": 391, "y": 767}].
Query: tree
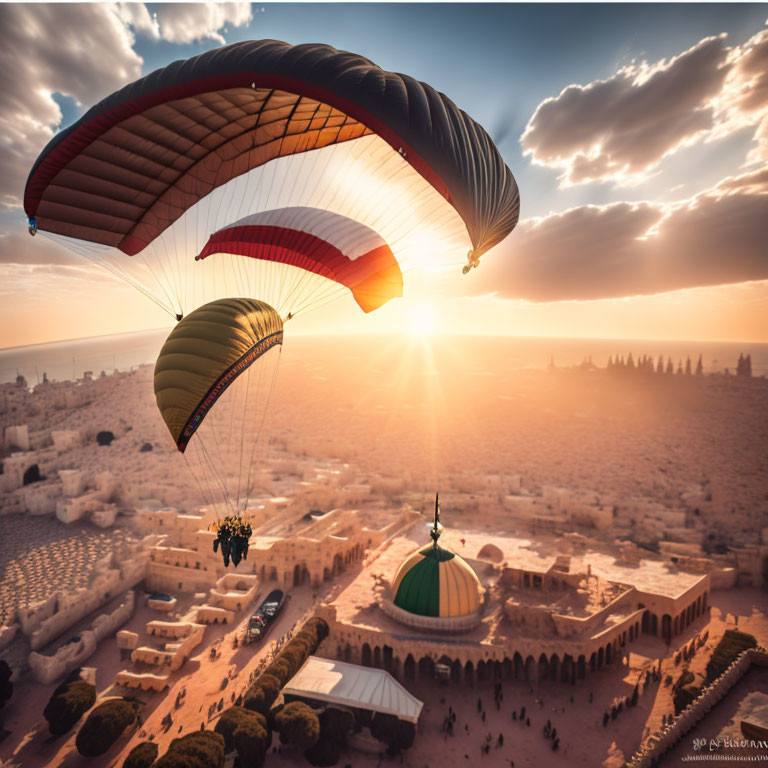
[
  {"x": 683, "y": 696},
  {"x": 670, "y": 368},
  {"x": 142, "y": 755},
  {"x": 688, "y": 366},
  {"x": 699, "y": 367},
  {"x": 6, "y": 686},
  {"x": 104, "y": 727},
  {"x": 727, "y": 650},
  {"x": 201, "y": 749},
  {"x": 298, "y": 724},
  {"x": 326, "y": 752},
  {"x": 397, "y": 734},
  {"x": 105, "y": 437},
  {"x": 282, "y": 669},
  {"x": 68, "y": 703},
  {"x": 262, "y": 694},
  {"x": 234, "y": 717},
  {"x": 318, "y": 628},
  {"x": 252, "y": 740},
  {"x": 298, "y": 650},
  {"x": 336, "y": 724}
]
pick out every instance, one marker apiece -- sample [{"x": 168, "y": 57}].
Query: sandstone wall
[
  {"x": 48, "y": 669},
  {"x": 665, "y": 739}
]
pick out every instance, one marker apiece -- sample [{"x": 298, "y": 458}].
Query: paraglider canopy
[
  {"x": 204, "y": 354},
  {"x": 136, "y": 161},
  {"x": 322, "y": 242}
]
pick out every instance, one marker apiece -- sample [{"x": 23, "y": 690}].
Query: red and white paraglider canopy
[{"x": 325, "y": 243}]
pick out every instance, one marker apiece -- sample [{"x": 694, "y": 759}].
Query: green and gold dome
[{"x": 435, "y": 582}]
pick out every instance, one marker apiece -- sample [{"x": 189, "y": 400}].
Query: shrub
[
  {"x": 175, "y": 760},
  {"x": 262, "y": 694},
  {"x": 142, "y": 755},
  {"x": 68, "y": 703},
  {"x": 104, "y": 726},
  {"x": 201, "y": 749},
  {"x": 105, "y": 437},
  {"x": 684, "y": 695},
  {"x": 336, "y": 724},
  {"x": 295, "y": 655},
  {"x": 397, "y": 734},
  {"x": 732, "y": 644},
  {"x": 252, "y": 740},
  {"x": 308, "y": 637},
  {"x": 281, "y": 669},
  {"x": 319, "y": 626},
  {"x": 314, "y": 631},
  {"x": 302, "y": 645},
  {"x": 6, "y": 686},
  {"x": 298, "y": 724},
  {"x": 232, "y": 718}
]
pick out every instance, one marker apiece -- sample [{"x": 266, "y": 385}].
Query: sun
[{"x": 422, "y": 319}]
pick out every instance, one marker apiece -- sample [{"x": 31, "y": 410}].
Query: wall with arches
[{"x": 413, "y": 657}]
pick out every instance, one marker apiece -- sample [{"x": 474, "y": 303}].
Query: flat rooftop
[
  {"x": 356, "y": 606},
  {"x": 650, "y": 574}
]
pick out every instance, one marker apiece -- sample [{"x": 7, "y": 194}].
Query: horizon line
[{"x": 417, "y": 336}]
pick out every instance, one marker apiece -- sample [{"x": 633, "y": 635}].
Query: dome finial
[{"x": 436, "y": 528}]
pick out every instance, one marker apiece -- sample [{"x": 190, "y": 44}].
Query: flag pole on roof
[{"x": 436, "y": 528}]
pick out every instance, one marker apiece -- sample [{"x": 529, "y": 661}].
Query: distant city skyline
[{"x": 638, "y": 135}]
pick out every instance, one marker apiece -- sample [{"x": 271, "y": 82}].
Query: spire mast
[{"x": 435, "y": 530}]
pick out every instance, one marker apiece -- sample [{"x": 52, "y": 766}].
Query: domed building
[{"x": 434, "y": 588}]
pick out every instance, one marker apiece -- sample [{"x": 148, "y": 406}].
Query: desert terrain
[{"x": 403, "y": 418}]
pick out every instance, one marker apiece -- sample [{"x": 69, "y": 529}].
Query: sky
[{"x": 638, "y": 135}]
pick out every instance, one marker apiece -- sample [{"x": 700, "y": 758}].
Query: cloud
[
  {"x": 19, "y": 247},
  {"x": 629, "y": 249},
  {"x": 37, "y": 265},
  {"x": 80, "y": 50},
  {"x": 620, "y": 128},
  {"x": 137, "y": 15},
  {"x": 53, "y": 282},
  {"x": 186, "y": 22},
  {"x": 745, "y": 100},
  {"x": 84, "y": 51}
]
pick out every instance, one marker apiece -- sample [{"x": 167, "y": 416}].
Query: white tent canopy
[{"x": 337, "y": 682}]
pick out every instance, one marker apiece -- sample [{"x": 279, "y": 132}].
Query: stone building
[
  {"x": 557, "y": 616},
  {"x": 287, "y": 550},
  {"x": 434, "y": 589}
]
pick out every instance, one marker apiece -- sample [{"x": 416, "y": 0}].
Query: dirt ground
[{"x": 578, "y": 720}]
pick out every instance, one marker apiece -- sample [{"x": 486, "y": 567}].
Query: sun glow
[{"x": 422, "y": 319}]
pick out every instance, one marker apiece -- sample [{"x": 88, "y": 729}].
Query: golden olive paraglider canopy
[{"x": 205, "y": 353}]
